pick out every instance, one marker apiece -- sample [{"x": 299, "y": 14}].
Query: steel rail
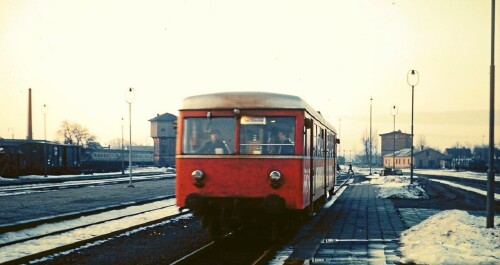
[{"x": 30, "y": 257}]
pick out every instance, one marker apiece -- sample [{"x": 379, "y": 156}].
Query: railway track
[
  {"x": 243, "y": 247},
  {"x": 21, "y": 243},
  {"x": 475, "y": 185},
  {"x": 34, "y": 240},
  {"x": 7, "y": 189},
  {"x": 249, "y": 245}
]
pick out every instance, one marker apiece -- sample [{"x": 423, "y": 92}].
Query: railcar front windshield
[
  {"x": 259, "y": 135},
  {"x": 267, "y": 135},
  {"x": 209, "y": 135}
]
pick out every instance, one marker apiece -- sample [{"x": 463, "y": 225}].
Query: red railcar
[{"x": 244, "y": 156}]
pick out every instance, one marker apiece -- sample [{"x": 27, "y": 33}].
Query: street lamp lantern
[
  {"x": 394, "y": 112},
  {"x": 412, "y": 78},
  {"x": 45, "y": 109},
  {"x": 129, "y": 97}
]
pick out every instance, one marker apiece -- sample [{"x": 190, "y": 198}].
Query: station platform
[{"x": 356, "y": 228}]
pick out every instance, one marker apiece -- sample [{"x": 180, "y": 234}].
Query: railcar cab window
[
  {"x": 267, "y": 135},
  {"x": 209, "y": 136}
]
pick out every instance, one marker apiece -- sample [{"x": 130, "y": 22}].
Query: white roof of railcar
[{"x": 250, "y": 100}]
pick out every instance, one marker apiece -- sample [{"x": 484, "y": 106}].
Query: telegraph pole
[{"x": 490, "y": 199}]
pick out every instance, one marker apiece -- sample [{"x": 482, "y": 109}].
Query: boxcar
[{"x": 24, "y": 157}]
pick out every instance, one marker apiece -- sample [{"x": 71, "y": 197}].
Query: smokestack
[{"x": 30, "y": 121}]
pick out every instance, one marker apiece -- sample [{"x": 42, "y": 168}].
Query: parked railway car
[
  {"x": 247, "y": 156},
  {"x": 26, "y": 157},
  {"x": 98, "y": 160}
]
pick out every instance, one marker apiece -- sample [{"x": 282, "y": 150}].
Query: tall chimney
[{"x": 30, "y": 122}]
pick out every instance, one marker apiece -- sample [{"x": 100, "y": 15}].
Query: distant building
[
  {"x": 483, "y": 153},
  {"x": 394, "y": 141},
  {"x": 456, "y": 157},
  {"x": 398, "y": 159},
  {"x": 427, "y": 158},
  {"x": 458, "y": 152},
  {"x": 164, "y": 136}
]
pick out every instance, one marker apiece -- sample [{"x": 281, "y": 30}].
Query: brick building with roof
[{"x": 164, "y": 135}]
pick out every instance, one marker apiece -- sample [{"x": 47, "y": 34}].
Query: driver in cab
[{"x": 215, "y": 145}]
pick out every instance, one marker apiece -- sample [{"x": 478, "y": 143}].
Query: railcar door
[
  {"x": 309, "y": 159},
  {"x": 330, "y": 161},
  {"x": 326, "y": 164}
]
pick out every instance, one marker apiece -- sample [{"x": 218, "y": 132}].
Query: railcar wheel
[
  {"x": 275, "y": 229},
  {"x": 216, "y": 225},
  {"x": 215, "y": 229}
]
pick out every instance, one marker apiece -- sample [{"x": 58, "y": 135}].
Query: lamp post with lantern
[
  {"x": 394, "y": 112},
  {"x": 370, "y": 157},
  {"x": 130, "y": 96},
  {"x": 412, "y": 78}
]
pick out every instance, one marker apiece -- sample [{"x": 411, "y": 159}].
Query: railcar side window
[
  {"x": 208, "y": 135},
  {"x": 267, "y": 135}
]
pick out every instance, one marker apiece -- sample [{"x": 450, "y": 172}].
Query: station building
[
  {"x": 394, "y": 141},
  {"x": 426, "y": 158},
  {"x": 396, "y": 152}
]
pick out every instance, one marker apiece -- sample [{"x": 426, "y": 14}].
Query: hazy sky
[{"x": 80, "y": 58}]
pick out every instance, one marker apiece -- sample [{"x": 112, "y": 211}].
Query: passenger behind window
[
  {"x": 283, "y": 145},
  {"x": 252, "y": 142},
  {"x": 215, "y": 145}
]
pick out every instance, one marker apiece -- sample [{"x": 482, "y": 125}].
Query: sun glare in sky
[{"x": 81, "y": 57}]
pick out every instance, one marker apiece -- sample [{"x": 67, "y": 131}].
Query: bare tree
[
  {"x": 116, "y": 143},
  {"x": 74, "y": 133},
  {"x": 422, "y": 143},
  {"x": 365, "y": 140},
  {"x": 375, "y": 155}
]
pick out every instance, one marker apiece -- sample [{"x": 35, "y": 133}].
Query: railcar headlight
[
  {"x": 275, "y": 175},
  {"x": 197, "y": 175},
  {"x": 276, "y": 179}
]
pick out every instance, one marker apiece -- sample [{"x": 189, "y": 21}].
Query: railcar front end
[{"x": 241, "y": 157}]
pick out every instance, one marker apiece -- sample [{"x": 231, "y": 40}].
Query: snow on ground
[
  {"x": 452, "y": 237},
  {"x": 449, "y": 237},
  {"x": 454, "y": 173},
  {"x": 398, "y": 187},
  {"x": 167, "y": 170},
  {"x": 48, "y": 236}
]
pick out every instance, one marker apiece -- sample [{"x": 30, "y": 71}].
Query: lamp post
[
  {"x": 45, "y": 109},
  {"x": 123, "y": 153},
  {"x": 412, "y": 78},
  {"x": 130, "y": 96},
  {"x": 370, "y": 158},
  {"x": 490, "y": 186},
  {"x": 394, "y": 112}
]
